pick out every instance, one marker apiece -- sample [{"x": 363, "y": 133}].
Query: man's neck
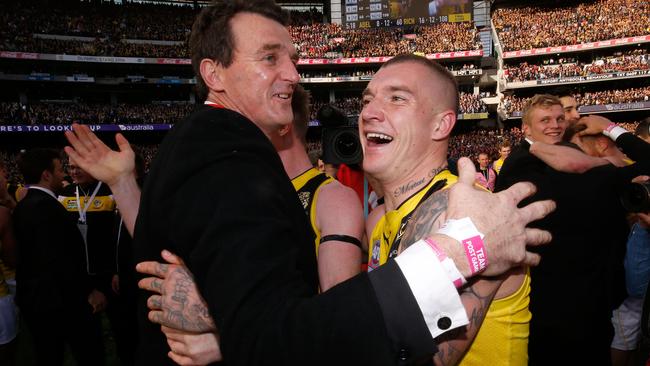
[
  {"x": 223, "y": 101},
  {"x": 44, "y": 187},
  {"x": 295, "y": 160},
  {"x": 398, "y": 191},
  {"x": 87, "y": 185}
]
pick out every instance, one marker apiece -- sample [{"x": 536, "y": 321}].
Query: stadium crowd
[
  {"x": 536, "y": 27},
  {"x": 469, "y": 143},
  {"x": 12, "y": 113},
  {"x": 565, "y": 67},
  {"x": 66, "y": 113},
  {"x": 512, "y": 104},
  {"x": 108, "y": 29}
]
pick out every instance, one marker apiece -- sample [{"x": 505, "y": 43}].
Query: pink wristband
[
  {"x": 439, "y": 253},
  {"x": 610, "y": 127},
  {"x": 452, "y": 271},
  {"x": 475, "y": 252}
]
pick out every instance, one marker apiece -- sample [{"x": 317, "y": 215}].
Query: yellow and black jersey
[
  {"x": 387, "y": 233},
  {"x": 503, "y": 337},
  {"x": 308, "y": 185}
]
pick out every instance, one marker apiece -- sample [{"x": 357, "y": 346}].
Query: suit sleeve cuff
[
  {"x": 615, "y": 132},
  {"x": 435, "y": 293}
]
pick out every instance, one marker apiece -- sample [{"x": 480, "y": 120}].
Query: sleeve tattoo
[{"x": 425, "y": 219}]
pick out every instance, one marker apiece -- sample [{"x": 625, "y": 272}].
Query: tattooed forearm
[
  {"x": 476, "y": 298},
  {"x": 481, "y": 295},
  {"x": 447, "y": 353},
  {"x": 424, "y": 221}
]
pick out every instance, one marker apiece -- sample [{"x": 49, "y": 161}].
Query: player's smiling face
[{"x": 395, "y": 122}]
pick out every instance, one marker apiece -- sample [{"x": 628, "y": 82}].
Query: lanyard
[{"x": 82, "y": 212}]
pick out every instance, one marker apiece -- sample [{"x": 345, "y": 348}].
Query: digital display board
[{"x": 360, "y": 14}]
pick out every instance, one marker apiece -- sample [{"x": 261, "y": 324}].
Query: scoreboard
[{"x": 359, "y": 14}]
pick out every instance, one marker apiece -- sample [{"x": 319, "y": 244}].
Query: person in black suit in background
[
  {"x": 54, "y": 291},
  {"x": 573, "y": 290}
]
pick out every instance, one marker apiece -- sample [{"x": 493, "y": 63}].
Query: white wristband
[
  {"x": 613, "y": 131},
  {"x": 468, "y": 235}
]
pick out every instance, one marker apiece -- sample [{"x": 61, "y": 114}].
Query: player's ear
[{"x": 442, "y": 125}]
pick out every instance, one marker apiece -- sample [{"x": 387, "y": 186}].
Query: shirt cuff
[
  {"x": 434, "y": 292},
  {"x": 615, "y": 132}
]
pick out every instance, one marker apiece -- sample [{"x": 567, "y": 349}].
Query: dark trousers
[
  {"x": 51, "y": 329},
  {"x": 122, "y": 314}
]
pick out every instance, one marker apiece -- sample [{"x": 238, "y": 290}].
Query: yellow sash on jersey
[
  {"x": 392, "y": 223},
  {"x": 309, "y": 199}
]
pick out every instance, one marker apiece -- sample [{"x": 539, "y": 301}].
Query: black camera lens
[
  {"x": 347, "y": 144},
  {"x": 636, "y": 197},
  {"x": 341, "y": 145}
]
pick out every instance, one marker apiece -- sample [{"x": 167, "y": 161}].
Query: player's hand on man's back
[{"x": 497, "y": 216}]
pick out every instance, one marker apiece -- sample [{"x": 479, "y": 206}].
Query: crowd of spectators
[
  {"x": 512, "y": 104},
  {"x": 468, "y": 144},
  {"x": 536, "y": 27},
  {"x": 471, "y": 143},
  {"x": 66, "y": 113},
  {"x": 471, "y": 103},
  {"x": 368, "y": 72},
  {"x": 335, "y": 73},
  {"x": 351, "y": 106},
  {"x": 109, "y": 26},
  {"x": 13, "y": 113},
  {"x": 10, "y": 158},
  {"x": 630, "y": 61},
  {"x": 631, "y": 95}
]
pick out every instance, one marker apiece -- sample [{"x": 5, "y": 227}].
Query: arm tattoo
[
  {"x": 451, "y": 347},
  {"x": 424, "y": 221}
]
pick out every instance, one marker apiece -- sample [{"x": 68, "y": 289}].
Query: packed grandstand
[{"x": 117, "y": 65}]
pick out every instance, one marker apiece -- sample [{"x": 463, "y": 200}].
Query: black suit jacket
[
  {"x": 51, "y": 266},
  {"x": 580, "y": 277},
  {"x": 217, "y": 194}
]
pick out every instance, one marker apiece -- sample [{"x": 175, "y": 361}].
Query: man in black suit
[
  {"x": 573, "y": 288},
  {"x": 218, "y": 196},
  {"x": 54, "y": 290}
]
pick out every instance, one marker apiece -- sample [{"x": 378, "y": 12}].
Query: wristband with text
[
  {"x": 466, "y": 232},
  {"x": 447, "y": 264},
  {"x": 613, "y": 131}
]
